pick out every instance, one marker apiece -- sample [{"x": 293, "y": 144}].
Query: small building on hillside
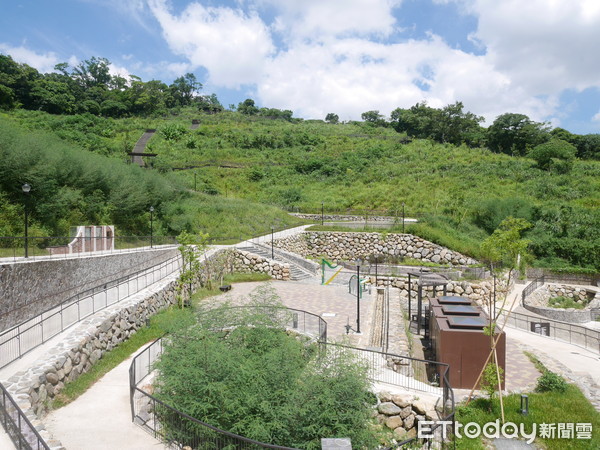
[
  {"x": 87, "y": 238},
  {"x": 456, "y": 330}
]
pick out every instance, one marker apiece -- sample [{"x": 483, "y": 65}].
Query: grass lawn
[{"x": 570, "y": 406}]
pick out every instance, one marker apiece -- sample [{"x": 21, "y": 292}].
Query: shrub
[
  {"x": 259, "y": 381},
  {"x": 551, "y": 382},
  {"x": 564, "y": 303}
]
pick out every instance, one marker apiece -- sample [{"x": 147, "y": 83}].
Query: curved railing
[
  {"x": 384, "y": 368},
  {"x": 22, "y": 338}
]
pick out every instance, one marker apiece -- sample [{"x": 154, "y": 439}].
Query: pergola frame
[{"x": 423, "y": 279}]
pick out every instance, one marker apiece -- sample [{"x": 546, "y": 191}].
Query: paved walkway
[{"x": 101, "y": 418}]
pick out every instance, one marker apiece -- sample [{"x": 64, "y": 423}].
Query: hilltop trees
[
  {"x": 515, "y": 134},
  {"x": 556, "y": 154},
  {"x": 90, "y": 87},
  {"x": 449, "y": 124},
  {"x": 332, "y": 118}
]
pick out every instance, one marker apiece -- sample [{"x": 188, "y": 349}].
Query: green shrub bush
[
  {"x": 551, "y": 382},
  {"x": 564, "y": 303}
]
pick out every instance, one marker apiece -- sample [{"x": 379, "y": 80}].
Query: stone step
[{"x": 296, "y": 272}]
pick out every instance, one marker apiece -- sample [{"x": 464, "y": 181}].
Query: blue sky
[{"x": 345, "y": 56}]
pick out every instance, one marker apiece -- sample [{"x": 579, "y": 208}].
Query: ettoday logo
[{"x": 508, "y": 430}]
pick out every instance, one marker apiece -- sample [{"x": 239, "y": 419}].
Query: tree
[
  {"x": 92, "y": 72},
  {"x": 209, "y": 104},
  {"x": 374, "y": 117},
  {"x": 556, "y": 155},
  {"x": 515, "y": 134},
  {"x": 332, "y": 118},
  {"x": 588, "y": 146},
  {"x": 449, "y": 124},
  {"x": 247, "y": 107},
  {"x": 184, "y": 88}
]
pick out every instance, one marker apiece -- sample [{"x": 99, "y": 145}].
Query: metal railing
[
  {"x": 561, "y": 331},
  {"x": 413, "y": 374},
  {"x": 23, "y": 434},
  {"x": 531, "y": 287},
  {"x": 20, "y": 339},
  {"x": 53, "y": 247},
  {"x": 387, "y": 368}
]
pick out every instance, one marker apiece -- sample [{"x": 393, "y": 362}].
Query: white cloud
[
  {"x": 350, "y": 59},
  {"x": 544, "y": 46},
  {"x": 315, "y": 19},
  {"x": 596, "y": 117},
  {"x": 231, "y": 45},
  {"x": 43, "y": 62}
]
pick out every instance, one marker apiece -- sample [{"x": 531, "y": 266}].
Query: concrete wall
[{"x": 29, "y": 288}]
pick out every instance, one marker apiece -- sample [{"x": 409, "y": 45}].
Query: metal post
[
  {"x": 409, "y": 299},
  {"x": 376, "y": 279},
  {"x": 322, "y": 213},
  {"x": 272, "y": 242},
  {"x": 151, "y": 224},
  {"x": 26, "y": 188},
  {"x": 402, "y": 217},
  {"x": 26, "y": 233},
  {"x": 358, "y": 297}
]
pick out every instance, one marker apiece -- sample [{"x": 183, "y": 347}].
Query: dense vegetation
[
  {"x": 258, "y": 381},
  {"x": 73, "y": 187},
  {"x": 461, "y": 179}
]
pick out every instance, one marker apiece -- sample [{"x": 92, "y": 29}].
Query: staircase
[{"x": 297, "y": 273}]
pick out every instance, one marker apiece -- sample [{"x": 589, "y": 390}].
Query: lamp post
[
  {"x": 358, "y": 296},
  {"x": 151, "y": 224},
  {"x": 26, "y": 188},
  {"x": 402, "y": 217},
  {"x": 272, "y": 239},
  {"x": 322, "y": 212}
]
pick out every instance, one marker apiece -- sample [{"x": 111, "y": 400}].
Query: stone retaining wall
[
  {"x": 537, "y": 302},
  {"x": 349, "y": 246},
  {"x": 477, "y": 291},
  {"x": 402, "y": 413},
  {"x": 250, "y": 262}
]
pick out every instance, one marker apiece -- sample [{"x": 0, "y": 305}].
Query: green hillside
[{"x": 238, "y": 161}]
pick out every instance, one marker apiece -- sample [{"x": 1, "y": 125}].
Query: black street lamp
[
  {"x": 151, "y": 224},
  {"x": 358, "y": 295},
  {"x": 26, "y": 188},
  {"x": 322, "y": 212},
  {"x": 402, "y": 217},
  {"x": 272, "y": 239}
]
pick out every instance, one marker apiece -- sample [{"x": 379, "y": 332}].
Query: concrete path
[{"x": 101, "y": 418}]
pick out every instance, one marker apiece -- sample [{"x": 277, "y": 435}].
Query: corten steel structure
[{"x": 457, "y": 338}]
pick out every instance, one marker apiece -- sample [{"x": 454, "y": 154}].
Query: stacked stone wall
[
  {"x": 250, "y": 262},
  {"x": 588, "y": 297},
  {"x": 477, "y": 291},
  {"x": 402, "y": 413},
  {"x": 347, "y": 246}
]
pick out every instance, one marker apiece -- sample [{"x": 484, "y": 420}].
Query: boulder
[{"x": 389, "y": 409}]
